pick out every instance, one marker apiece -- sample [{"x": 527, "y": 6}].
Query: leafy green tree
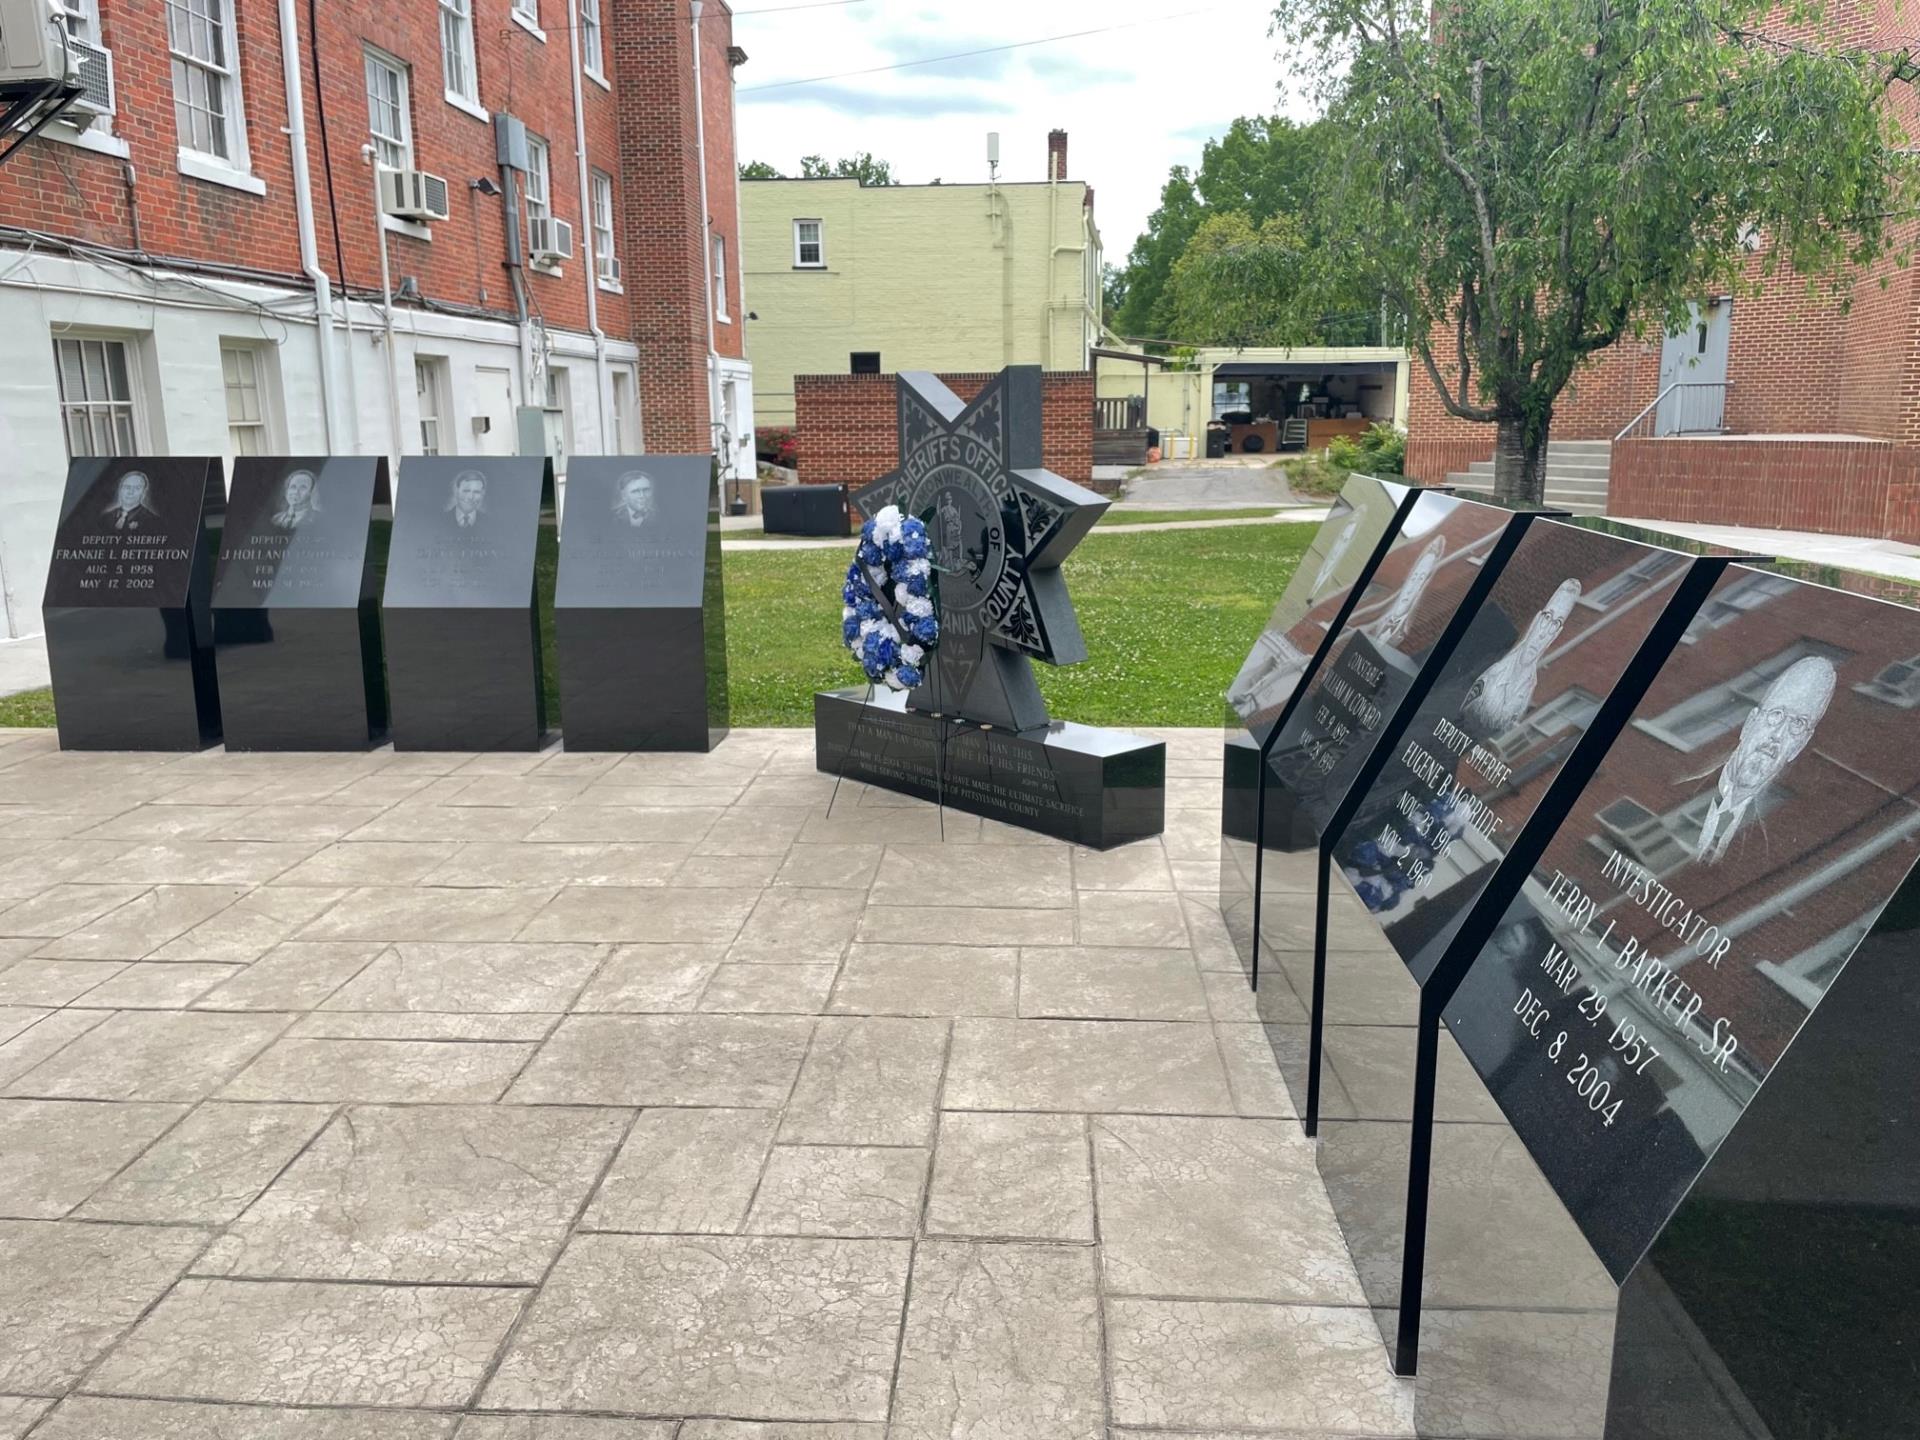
[
  {"x": 862, "y": 167},
  {"x": 1527, "y": 181},
  {"x": 1238, "y": 283},
  {"x": 1151, "y": 261},
  {"x": 759, "y": 170}
]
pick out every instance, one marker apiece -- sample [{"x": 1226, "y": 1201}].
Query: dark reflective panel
[
  {"x": 1705, "y": 1068},
  {"x": 1567, "y": 616},
  {"x": 1425, "y": 579},
  {"x": 296, "y": 605},
  {"x": 129, "y": 628},
  {"x": 1343, "y": 553},
  {"x": 462, "y": 629},
  {"x": 1093, "y": 786},
  {"x": 639, "y": 616}
]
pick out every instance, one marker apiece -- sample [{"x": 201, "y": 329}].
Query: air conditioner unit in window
[
  {"x": 550, "y": 241},
  {"x": 93, "y": 68},
  {"x": 609, "y": 266},
  {"x": 413, "y": 195},
  {"x": 31, "y": 42}
]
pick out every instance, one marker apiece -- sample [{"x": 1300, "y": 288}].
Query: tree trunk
[{"x": 1520, "y": 463}]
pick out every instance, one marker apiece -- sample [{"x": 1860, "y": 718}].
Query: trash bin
[
  {"x": 805, "y": 510},
  {"x": 1216, "y": 442}
]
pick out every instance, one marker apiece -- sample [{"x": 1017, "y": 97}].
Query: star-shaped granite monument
[{"x": 999, "y": 523}]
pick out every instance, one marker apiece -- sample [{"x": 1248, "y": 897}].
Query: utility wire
[{"x": 988, "y": 50}]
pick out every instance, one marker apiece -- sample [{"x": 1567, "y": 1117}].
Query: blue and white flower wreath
[{"x": 888, "y": 621}]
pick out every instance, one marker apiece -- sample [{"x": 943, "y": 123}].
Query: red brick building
[
  {"x": 191, "y": 260},
  {"x": 1786, "y": 410}
]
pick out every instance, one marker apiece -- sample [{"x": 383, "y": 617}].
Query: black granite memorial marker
[
  {"x": 1328, "y": 582},
  {"x": 999, "y": 523},
  {"x": 129, "y": 628},
  {"x": 1417, "y": 603},
  {"x": 296, "y": 605},
  {"x": 462, "y": 621},
  {"x": 639, "y": 618},
  {"x": 1672, "y": 1188}
]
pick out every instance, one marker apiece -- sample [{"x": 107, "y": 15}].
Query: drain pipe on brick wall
[
  {"x": 706, "y": 237},
  {"x": 372, "y": 161},
  {"x": 303, "y": 216},
  {"x": 601, "y": 384}
]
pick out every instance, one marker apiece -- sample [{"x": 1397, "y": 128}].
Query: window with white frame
[
  {"x": 527, "y": 10},
  {"x": 604, "y": 256},
  {"x": 1631, "y": 580},
  {"x": 430, "y": 388},
  {"x": 206, "y": 80},
  {"x": 98, "y": 408},
  {"x": 623, "y": 428},
  {"x": 720, "y": 277},
  {"x": 809, "y": 244},
  {"x": 591, "y": 58},
  {"x": 82, "y": 19},
  {"x": 389, "y": 111},
  {"x": 539, "y": 185},
  {"x": 457, "y": 66},
  {"x": 1897, "y": 684},
  {"x": 243, "y": 370},
  {"x": 1572, "y": 709}
]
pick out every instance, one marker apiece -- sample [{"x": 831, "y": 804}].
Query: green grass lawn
[
  {"x": 1159, "y": 517},
  {"x": 1168, "y": 617}
]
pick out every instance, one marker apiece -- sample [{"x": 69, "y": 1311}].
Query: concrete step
[{"x": 1579, "y": 447}]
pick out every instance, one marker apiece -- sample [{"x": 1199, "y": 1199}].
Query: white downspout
[
  {"x": 752, "y": 459},
  {"x": 706, "y": 238},
  {"x": 372, "y": 160},
  {"x": 601, "y": 384},
  {"x": 303, "y": 214}
]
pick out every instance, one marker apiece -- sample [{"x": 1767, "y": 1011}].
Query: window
[
  {"x": 590, "y": 43},
  {"x": 97, "y": 406},
  {"x": 623, "y": 430},
  {"x": 389, "y": 111},
  {"x": 1897, "y": 685},
  {"x": 864, "y": 362},
  {"x": 1663, "y": 843},
  {"x": 82, "y": 19},
  {"x": 809, "y": 244},
  {"x": 539, "y": 196},
  {"x": 720, "y": 277},
  {"x": 1231, "y": 396},
  {"x": 456, "y": 51},
  {"x": 560, "y": 418},
  {"x": 1807, "y": 975},
  {"x": 1571, "y": 709},
  {"x": 1749, "y": 592},
  {"x": 430, "y": 387},
  {"x": 527, "y": 11},
  {"x": 243, "y": 370},
  {"x": 1722, "y": 709},
  {"x": 604, "y": 257},
  {"x": 1632, "y": 579},
  {"x": 206, "y": 85}
]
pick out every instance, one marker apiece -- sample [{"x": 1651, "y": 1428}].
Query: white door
[
  {"x": 1693, "y": 372},
  {"x": 493, "y": 401}
]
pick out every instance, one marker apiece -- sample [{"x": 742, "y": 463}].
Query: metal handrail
[{"x": 1654, "y": 404}]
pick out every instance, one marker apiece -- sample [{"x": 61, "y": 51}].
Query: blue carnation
[
  {"x": 849, "y": 628},
  {"x": 915, "y": 545},
  {"x": 909, "y": 676},
  {"x": 1367, "y": 853}
]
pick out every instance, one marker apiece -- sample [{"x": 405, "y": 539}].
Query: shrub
[
  {"x": 776, "y": 445},
  {"x": 1378, "y": 450}
]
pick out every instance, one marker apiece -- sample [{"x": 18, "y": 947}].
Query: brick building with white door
[
  {"x": 190, "y": 260},
  {"x": 1777, "y": 407}
]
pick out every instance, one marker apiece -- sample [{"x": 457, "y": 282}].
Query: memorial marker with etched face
[
  {"x": 296, "y": 605},
  {"x": 129, "y": 633},
  {"x": 463, "y": 641},
  {"x": 639, "y": 611}
]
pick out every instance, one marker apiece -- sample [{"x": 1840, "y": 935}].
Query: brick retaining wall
[{"x": 1832, "y": 487}]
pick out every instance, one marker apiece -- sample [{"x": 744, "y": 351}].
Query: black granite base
[
  {"x": 465, "y": 679},
  {"x": 639, "y": 680},
  {"x": 301, "y": 679},
  {"x": 1098, "y": 788},
  {"x": 132, "y": 679}
]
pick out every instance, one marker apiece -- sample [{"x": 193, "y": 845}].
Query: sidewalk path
[
  {"x": 23, "y": 665},
  {"x": 1848, "y": 552}
]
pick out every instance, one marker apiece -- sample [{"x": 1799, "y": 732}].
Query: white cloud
[{"x": 1134, "y": 101}]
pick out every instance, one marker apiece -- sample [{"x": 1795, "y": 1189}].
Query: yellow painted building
[{"x": 841, "y": 277}]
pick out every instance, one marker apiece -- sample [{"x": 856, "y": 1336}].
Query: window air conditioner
[
  {"x": 549, "y": 240},
  {"x": 413, "y": 195},
  {"x": 93, "y": 68}
]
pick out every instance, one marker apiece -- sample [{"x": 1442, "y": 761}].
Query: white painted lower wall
[{"x": 174, "y": 327}]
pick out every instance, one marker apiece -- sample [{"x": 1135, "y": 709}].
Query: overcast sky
[{"x": 1134, "y": 101}]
